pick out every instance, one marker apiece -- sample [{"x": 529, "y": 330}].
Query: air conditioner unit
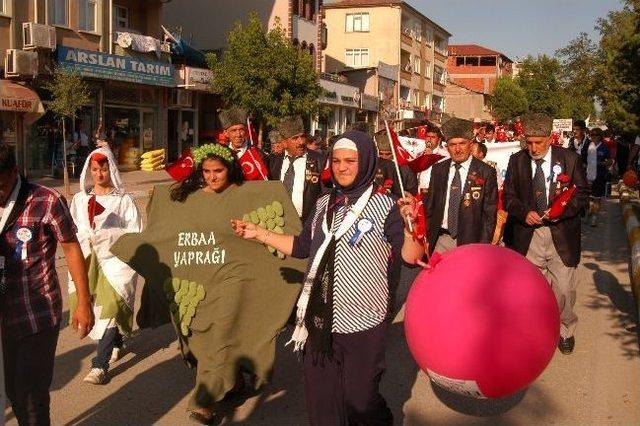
[
  {"x": 182, "y": 98},
  {"x": 20, "y": 63},
  {"x": 38, "y": 36}
]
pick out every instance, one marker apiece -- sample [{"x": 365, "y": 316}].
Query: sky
[{"x": 516, "y": 28}]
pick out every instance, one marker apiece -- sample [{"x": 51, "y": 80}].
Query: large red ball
[{"x": 482, "y": 322}]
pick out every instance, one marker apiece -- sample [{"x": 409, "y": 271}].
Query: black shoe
[{"x": 566, "y": 344}]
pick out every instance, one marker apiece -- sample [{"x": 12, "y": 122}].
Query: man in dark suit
[
  {"x": 297, "y": 167},
  {"x": 461, "y": 203},
  {"x": 386, "y": 176},
  {"x": 534, "y": 177}
]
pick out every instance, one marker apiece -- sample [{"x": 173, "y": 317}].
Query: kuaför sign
[{"x": 94, "y": 64}]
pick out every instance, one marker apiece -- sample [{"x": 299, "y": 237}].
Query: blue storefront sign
[{"x": 89, "y": 63}]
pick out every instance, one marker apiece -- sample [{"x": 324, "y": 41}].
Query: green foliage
[
  {"x": 265, "y": 74},
  {"x": 579, "y": 71},
  {"x": 540, "y": 79},
  {"x": 619, "y": 87},
  {"x": 508, "y": 99},
  {"x": 68, "y": 93}
]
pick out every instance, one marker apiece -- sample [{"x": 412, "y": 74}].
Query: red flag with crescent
[
  {"x": 560, "y": 202},
  {"x": 180, "y": 169},
  {"x": 253, "y": 167}
]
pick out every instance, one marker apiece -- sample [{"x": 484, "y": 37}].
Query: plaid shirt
[{"x": 33, "y": 302}]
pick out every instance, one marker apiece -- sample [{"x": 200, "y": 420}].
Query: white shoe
[
  {"x": 115, "y": 355},
  {"x": 96, "y": 376}
]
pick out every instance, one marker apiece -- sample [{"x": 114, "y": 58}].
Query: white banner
[{"x": 499, "y": 153}]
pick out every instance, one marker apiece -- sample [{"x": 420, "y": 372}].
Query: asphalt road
[{"x": 597, "y": 384}]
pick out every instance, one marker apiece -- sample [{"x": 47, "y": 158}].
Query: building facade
[
  {"x": 413, "y": 43},
  {"x": 206, "y": 23},
  {"x": 477, "y": 67},
  {"x": 466, "y": 103},
  {"x": 115, "y": 46}
]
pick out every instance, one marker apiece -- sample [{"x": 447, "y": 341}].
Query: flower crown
[{"x": 202, "y": 152}]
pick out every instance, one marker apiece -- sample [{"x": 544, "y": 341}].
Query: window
[
  {"x": 356, "y": 58},
  {"x": 87, "y": 12},
  {"x": 416, "y": 64},
  {"x": 460, "y": 61},
  {"x": 426, "y": 101},
  {"x": 427, "y": 69},
  {"x": 488, "y": 61},
  {"x": 3, "y": 8},
  {"x": 357, "y": 22},
  {"x": 440, "y": 45},
  {"x": 438, "y": 74},
  {"x": 120, "y": 17},
  {"x": 58, "y": 12}
]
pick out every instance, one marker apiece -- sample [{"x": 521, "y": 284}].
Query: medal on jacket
[
  {"x": 362, "y": 227},
  {"x": 23, "y": 235},
  {"x": 3, "y": 280}
]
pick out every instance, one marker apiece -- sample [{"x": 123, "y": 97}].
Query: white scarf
[{"x": 300, "y": 333}]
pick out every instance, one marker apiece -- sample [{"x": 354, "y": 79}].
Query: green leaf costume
[{"x": 228, "y": 298}]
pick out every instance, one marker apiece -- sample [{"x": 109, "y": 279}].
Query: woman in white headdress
[{"x": 102, "y": 213}]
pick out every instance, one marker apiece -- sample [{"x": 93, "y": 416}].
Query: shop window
[
  {"x": 87, "y": 11},
  {"x": 58, "y": 12},
  {"x": 122, "y": 95},
  {"x": 357, "y": 58},
  {"x": 148, "y": 96},
  {"x": 357, "y": 22},
  {"x": 120, "y": 17}
]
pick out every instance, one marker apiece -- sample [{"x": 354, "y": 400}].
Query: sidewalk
[{"x": 136, "y": 183}]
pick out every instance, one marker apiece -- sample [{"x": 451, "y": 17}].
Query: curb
[{"x": 632, "y": 226}]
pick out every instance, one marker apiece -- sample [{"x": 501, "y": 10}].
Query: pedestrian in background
[{"x": 596, "y": 157}]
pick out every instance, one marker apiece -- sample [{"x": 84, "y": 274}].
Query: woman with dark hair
[{"x": 215, "y": 169}]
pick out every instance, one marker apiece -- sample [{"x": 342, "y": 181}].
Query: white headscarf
[{"x": 116, "y": 182}]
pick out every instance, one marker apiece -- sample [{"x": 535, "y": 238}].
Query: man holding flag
[
  {"x": 461, "y": 202},
  {"x": 234, "y": 122}
]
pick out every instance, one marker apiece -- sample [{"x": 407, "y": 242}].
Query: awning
[{"x": 17, "y": 98}]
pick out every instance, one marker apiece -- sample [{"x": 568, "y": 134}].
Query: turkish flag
[
  {"x": 559, "y": 203},
  {"x": 180, "y": 169},
  {"x": 253, "y": 167},
  {"x": 420, "y": 225},
  {"x": 423, "y": 162},
  {"x": 253, "y": 135},
  {"x": 402, "y": 155}
]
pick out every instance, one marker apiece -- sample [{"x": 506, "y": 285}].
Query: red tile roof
[{"x": 473, "y": 49}]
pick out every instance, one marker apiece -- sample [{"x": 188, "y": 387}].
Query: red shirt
[{"x": 33, "y": 302}]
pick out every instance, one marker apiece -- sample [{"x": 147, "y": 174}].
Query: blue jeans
[{"x": 111, "y": 339}]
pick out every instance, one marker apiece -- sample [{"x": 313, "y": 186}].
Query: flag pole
[
  {"x": 395, "y": 163},
  {"x": 249, "y": 149}
]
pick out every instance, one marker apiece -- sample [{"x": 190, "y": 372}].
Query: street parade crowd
[{"x": 354, "y": 210}]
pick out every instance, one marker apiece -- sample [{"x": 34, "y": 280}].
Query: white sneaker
[
  {"x": 115, "y": 355},
  {"x": 96, "y": 376}
]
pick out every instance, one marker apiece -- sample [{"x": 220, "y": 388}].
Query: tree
[
  {"x": 579, "y": 71},
  {"x": 619, "y": 87},
  {"x": 540, "y": 79},
  {"x": 508, "y": 99},
  {"x": 69, "y": 93},
  {"x": 265, "y": 74}
]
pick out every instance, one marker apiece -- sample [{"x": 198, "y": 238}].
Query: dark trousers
[
  {"x": 344, "y": 390},
  {"x": 28, "y": 369},
  {"x": 110, "y": 339}
]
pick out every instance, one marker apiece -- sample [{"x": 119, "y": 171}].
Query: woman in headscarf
[
  {"x": 351, "y": 239},
  {"x": 102, "y": 213}
]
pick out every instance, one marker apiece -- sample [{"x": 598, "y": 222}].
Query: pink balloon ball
[{"x": 482, "y": 322}]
